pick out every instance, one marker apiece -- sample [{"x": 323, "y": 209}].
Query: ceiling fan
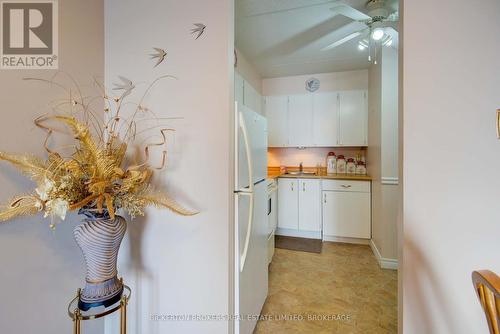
[{"x": 377, "y": 25}]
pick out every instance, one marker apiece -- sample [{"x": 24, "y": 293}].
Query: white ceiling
[{"x": 285, "y": 37}]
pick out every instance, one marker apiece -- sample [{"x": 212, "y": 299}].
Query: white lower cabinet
[
  {"x": 309, "y": 205},
  {"x": 288, "y": 204},
  {"x": 332, "y": 209},
  {"x": 299, "y": 207},
  {"x": 346, "y": 209}
]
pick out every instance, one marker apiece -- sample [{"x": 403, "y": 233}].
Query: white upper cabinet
[
  {"x": 319, "y": 119},
  {"x": 325, "y": 118},
  {"x": 353, "y": 120},
  {"x": 250, "y": 98},
  {"x": 238, "y": 88},
  {"x": 246, "y": 95},
  {"x": 276, "y": 109},
  {"x": 300, "y": 120}
]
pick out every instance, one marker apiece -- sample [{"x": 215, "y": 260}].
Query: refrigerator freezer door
[
  {"x": 256, "y": 126},
  {"x": 253, "y": 279},
  {"x": 243, "y": 179}
]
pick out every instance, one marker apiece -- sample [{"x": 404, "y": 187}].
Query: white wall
[
  {"x": 383, "y": 153},
  {"x": 451, "y": 161},
  {"x": 310, "y": 157},
  {"x": 41, "y": 269},
  {"x": 177, "y": 265},
  {"x": 390, "y": 109},
  {"x": 329, "y": 82}
]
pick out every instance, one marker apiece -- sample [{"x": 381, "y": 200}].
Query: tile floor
[{"x": 342, "y": 290}]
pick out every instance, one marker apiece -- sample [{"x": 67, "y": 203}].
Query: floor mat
[{"x": 299, "y": 244}]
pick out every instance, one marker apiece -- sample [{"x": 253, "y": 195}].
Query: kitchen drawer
[{"x": 346, "y": 185}]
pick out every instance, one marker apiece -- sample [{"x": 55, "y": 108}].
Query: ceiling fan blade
[
  {"x": 350, "y": 12},
  {"x": 394, "y": 17},
  {"x": 391, "y": 31},
  {"x": 344, "y": 40},
  {"x": 252, "y": 11}
]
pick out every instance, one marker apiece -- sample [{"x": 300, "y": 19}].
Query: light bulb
[
  {"x": 377, "y": 34},
  {"x": 361, "y": 47}
]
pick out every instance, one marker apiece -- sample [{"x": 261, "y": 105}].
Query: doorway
[{"x": 324, "y": 76}]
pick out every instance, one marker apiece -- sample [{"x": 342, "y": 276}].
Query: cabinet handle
[
  {"x": 303, "y": 186},
  {"x": 324, "y": 197},
  {"x": 346, "y": 186},
  {"x": 498, "y": 123},
  {"x": 291, "y": 185}
]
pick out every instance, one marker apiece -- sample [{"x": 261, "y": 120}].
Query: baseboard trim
[
  {"x": 356, "y": 241},
  {"x": 384, "y": 263},
  {"x": 298, "y": 234}
]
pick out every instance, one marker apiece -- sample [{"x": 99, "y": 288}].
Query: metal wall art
[
  {"x": 199, "y": 30},
  {"x": 159, "y": 55}
]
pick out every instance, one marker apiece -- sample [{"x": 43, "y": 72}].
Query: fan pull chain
[{"x": 370, "y": 47}]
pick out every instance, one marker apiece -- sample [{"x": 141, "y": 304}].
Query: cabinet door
[
  {"x": 353, "y": 118},
  {"x": 325, "y": 119},
  {"x": 346, "y": 214},
  {"x": 258, "y": 104},
  {"x": 238, "y": 88},
  {"x": 288, "y": 204},
  {"x": 300, "y": 120},
  {"x": 309, "y": 205},
  {"x": 250, "y": 97},
  {"x": 277, "y": 120}
]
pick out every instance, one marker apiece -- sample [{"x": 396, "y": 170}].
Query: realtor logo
[{"x": 29, "y": 35}]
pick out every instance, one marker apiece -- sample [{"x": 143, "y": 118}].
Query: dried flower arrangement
[{"x": 96, "y": 178}]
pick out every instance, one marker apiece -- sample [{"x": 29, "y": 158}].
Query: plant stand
[{"x": 78, "y": 315}]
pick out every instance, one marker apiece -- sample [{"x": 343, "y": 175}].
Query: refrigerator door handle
[
  {"x": 247, "y": 192},
  {"x": 246, "y": 141},
  {"x": 243, "y": 256},
  {"x": 236, "y": 146}
]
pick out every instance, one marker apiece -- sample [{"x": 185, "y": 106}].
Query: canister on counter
[
  {"x": 331, "y": 163},
  {"x": 361, "y": 168},
  {"x": 351, "y": 166},
  {"x": 341, "y": 164}
]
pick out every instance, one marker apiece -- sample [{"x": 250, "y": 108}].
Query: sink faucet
[{"x": 301, "y": 168}]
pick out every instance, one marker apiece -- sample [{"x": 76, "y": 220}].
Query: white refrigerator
[{"x": 251, "y": 273}]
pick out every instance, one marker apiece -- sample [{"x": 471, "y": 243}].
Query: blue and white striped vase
[{"x": 99, "y": 238}]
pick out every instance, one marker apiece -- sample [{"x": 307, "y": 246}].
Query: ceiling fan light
[{"x": 378, "y": 34}]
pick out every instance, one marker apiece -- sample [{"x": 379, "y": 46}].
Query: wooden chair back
[{"x": 487, "y": 286}]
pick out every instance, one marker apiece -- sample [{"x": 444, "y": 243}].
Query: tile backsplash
[{"x": 310, "y": 157}]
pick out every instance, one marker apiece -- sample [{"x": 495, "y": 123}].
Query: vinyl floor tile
[{"x": 342, "y": 290}]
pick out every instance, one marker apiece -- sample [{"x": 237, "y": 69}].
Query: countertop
[{"x": 273, "y": 174}]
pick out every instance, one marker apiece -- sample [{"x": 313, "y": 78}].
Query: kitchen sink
[{"x": 301, "y": 173}]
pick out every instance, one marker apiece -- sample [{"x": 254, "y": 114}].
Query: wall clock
[{"x": 312, "y": 85}]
